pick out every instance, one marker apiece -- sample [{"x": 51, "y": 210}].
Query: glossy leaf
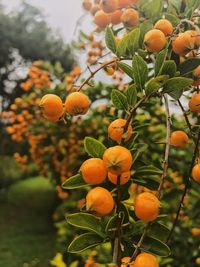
[
  {"x": 169, "y": 68},
  {"x": 160, "y": 59},
  {"x": 84, "y": 241},
  {"x": 110, "y": 40},
  {"x": 133, "y": 40},
  {"x": 93, "y": 147},
  {"x": 73, "y": 182},
  {"x": 153, "y": 85},
  {"x": 126, "y": 68},
  {"x": 156, "y": 247},
  {"x": 148, "y": 170},
  {"x": 119, "y": 100},
  {"x": 131, "y": 94},
  {"x": 140, "y": 71},
  {"x": 85, "y": 221},
  {"x": 189, "y": 65},
  {"x": 159, "y": 231}
]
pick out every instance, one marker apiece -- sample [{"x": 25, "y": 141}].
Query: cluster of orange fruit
[
  {"x": 76, "y": 103},
  {"x": 21, "y": 160},
  {"x": 113, "y": 12},
  {"x": 38, "y": 78}
]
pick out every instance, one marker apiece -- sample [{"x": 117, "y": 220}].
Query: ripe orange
[
  {"x": 77, "y": 103},
  {"x": 196, "y": 231},
  {"x": 102, "y": 19},
  {"x": 126, "y": 260},
  {"x": 109, "y": 6},
  {"x": 196, "y": 74},
  {"x": 117, "y": 159},
  {"x": 116, "y": 130},
  {"x": 145, "y": 260},
  {"x": 95, "y": 8},
  {"x": 124, "y": 3},
  {"x": 93, "y": 171},
  {"x": 154, "y": 40},
  {"x": 165, "y": 26},
  {"x": 124, "y": 177},
  {"x": 52, "y": 106},
  {"x": 185, "y": 42},
  {"x": 147, "y": 207},
  {"x": 87, "y": 5},
  {"x": 179, "y": 139},
  {"x": 194, "y": 103},
  {"x": 196, "y": 172},
  {"x": 130, "y": 17},
  {"x": 100, "y": 201},
  {"x": 116, "y": 17}
]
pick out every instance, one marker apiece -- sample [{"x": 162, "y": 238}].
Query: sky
[{"x": 60, "y": 14}]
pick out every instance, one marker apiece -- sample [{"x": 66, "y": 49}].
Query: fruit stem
[{"x": 187, "y": 185}]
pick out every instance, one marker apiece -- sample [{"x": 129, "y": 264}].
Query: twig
[
  {"x": 167, "y": 147},
  {"x": 92, "y": 74},
  {"x": 187, "y": 184},
  {"x": 164, "y": 174},
  {"x": 117, "y": 242},
  {"x": 187, "y": 121}
]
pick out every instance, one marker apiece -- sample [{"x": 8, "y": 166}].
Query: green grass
[{"x": 26, "y": 231}]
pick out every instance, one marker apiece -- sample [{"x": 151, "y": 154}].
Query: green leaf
[
  {"x": 119, "y": 100},
  {"x": 122, "y": 46},
  {"x": 175, "y": 86},
  {"x": 156, "y": 247},
  {"x": 172, "y": 18},
  {"x": 169, "y": 68},
  {"x": 160, "y": 59},
  {"x": 133, "y": 40},
  {"x": 148, "y": 170},
  {"x": 111, "y": 225},
  {"x": 86, "y": 221},
  {"x": 189, "y": 65},
  {"x": 93, "y": 147},
  {"x": 152, "y": 8},
  {"x": 147, "y": 181},
  {"x": 138, "y": 228},
  {"x": 126, "y": 68},
  {"x": 84, "y": 241},
  {"x": 140, "y": 71},
  {"x": 159, "y": 231},
  {"x": 110, "y": 40},
  {"x": 73, "y": 182},
  {"x": 176, "y": 4},
  {"x": 144, "y": 28},
  {"x": 155, "y": 84},
  {"x": 131, "y": 94}
]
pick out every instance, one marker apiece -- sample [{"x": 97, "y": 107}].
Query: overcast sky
[{"x": 62, "y": 14}]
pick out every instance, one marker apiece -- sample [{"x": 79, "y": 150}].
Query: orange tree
[{"x": 135, "y": 185}]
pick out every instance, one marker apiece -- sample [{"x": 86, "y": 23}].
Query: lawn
[{"x": 26, "y": 232}]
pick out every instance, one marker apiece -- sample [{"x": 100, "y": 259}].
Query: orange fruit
[
  {"x": 185, "y": 42},
  {"x": 87, "y": 5},
  {"x": 109, "y": 6},
  {"x": 102, "y": 19},
  {"x": 93, "y": 171},
  {"x": 145, "y": 260},
  {"x": 165, "y": 26},
  {"x": 126, "y": 260},
  {"x": 154, "y": 40},
  {"x": 52, "y": 106},
  {"x": 196, "y": 74},
  {"x": 196, "y": 231},
  {"x": 116, "y": 130},
  {"x": 117, "y": 159},
  {"x": 147, "y": 207},
  {"x": 116, "y": 17},
  {"x": 124, "y": 177},
  {"x": 100, "y": 201},
  {"x": 95, "y": 8},
  {"x": 196, "y": 172},
  {"x": 130, "y": 17},
  {"x": 194, "y": 103},
  {"x": 179, "y": 139},
  {"x": 77, "y": 103},
  {"x": 123, "y": 3}
]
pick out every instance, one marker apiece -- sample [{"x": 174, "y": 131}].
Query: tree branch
[{"x": 187, "y": 184}]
